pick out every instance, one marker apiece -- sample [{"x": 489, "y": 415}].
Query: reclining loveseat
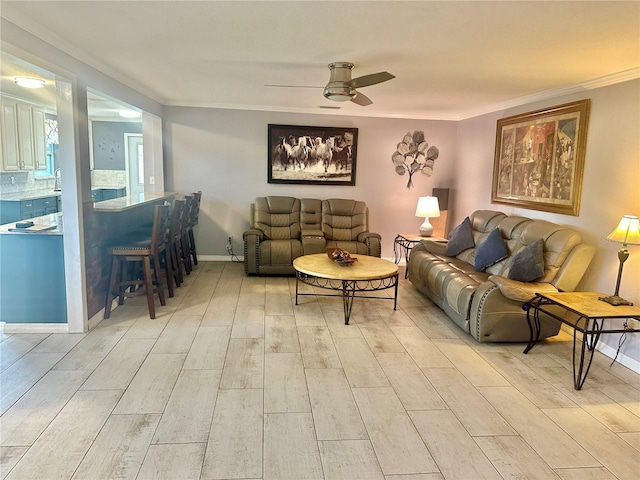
[
  {"x": 284, "y": 228},
  {"x": 492, "y": 265}
]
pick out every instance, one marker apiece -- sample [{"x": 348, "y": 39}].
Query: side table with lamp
[
  {"x": 590, "y": 310},
  {"x": 427, "y": 208}
]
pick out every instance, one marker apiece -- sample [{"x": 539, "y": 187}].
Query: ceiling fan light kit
[
  {"x": 342, "y": 88},
  {"x": 337, "y": 89}
]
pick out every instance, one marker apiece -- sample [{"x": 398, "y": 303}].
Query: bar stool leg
[
  {"x": 157, "y": 271},
  {"x": 148, "y": 285},
  {"x": 168, "y": 268},
  {"x": 192, "y": 246},
  {"x": 113, "y": 280}
]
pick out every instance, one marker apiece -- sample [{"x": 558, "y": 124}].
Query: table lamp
[
  {"x": 627, "y": 233},
  {"x": 427, "y": 208}
]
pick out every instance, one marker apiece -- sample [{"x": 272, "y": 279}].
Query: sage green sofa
[{"x": 487, "y": 304}]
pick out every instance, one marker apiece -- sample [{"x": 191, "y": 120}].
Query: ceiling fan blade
[
  {"x": 361, "y": 99},
  {"x": 371, "y": 79}
]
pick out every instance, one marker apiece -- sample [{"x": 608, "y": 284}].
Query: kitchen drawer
[
  {"x": 44, "y": 203},
  {"x": 26, "y": 208},
  {"x": 109, "y": 193}
]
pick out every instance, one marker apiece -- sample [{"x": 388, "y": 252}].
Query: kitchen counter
[
  {"x": 131, "y": 201},
  {"x": 53, "y": 219},
  {"x": 28, "y": 195}
]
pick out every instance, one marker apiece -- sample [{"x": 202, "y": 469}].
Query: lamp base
[
  {"x": 615, "y": 300},
  {"x": 426, "y": 229}
]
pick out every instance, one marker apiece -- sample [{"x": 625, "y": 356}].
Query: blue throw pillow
[
  {"x": 460, "y": 239},
  {"x": 491, "y": 251},
  {"x": 528, "y": 264}
]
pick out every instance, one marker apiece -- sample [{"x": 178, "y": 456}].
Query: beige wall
[
  {"x": 611, "y": 186},
  {"x": 224, "y": 154}
]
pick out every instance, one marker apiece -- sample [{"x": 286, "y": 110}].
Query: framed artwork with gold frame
[{"x": 539, "y": 158}]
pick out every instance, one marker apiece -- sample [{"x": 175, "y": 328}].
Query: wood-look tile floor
[{"x": 234, "y": 381}]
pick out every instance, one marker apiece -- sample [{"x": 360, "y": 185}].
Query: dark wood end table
[{"x": 591, "y": 315}]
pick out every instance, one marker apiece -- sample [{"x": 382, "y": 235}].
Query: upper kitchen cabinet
[
  {"x": 23, "y": 137},
  {"x": 9, "y": 129}
]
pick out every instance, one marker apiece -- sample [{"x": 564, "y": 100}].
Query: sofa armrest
[
  {"x": 252, "y": 239},
  {"x": 437, "y": 247},
  {"x": 520, "y": 291},
  {"x": 255, "y": 233},
  {"x": 373, "y": 242},
  {"x": 362, "y": 237}
]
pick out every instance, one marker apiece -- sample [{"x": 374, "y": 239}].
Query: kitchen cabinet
[
  {"x": 101, "y": 194},
  {"x": 15, "y": 210},
  {"x": 23, "y": 136},
  {"x": 9, "y": 129},
  {"x": 39, "y": 141},
  {"x": 32, "y": 277}
]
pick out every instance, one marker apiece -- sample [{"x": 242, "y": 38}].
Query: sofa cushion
[
  {"x": 460, "y": 239},
  {"x": 528, "y": 264},
  {"x": 491, "y": 251}
]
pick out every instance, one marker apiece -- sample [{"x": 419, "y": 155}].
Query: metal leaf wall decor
[{"x": 414, "y": 155}]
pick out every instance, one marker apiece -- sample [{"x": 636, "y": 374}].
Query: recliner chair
[
  {"x": 273, "y": 242},
  {"x": 345, "y": 225}
]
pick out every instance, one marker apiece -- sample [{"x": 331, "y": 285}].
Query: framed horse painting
[{"x": 312, "y": 155}]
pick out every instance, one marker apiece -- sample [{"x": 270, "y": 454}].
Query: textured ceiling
[{"x": 452, "y": 59}]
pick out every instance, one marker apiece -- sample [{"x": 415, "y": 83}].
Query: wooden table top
[
  {"x": 588, "y": 305},
  {"x": 366, "y": 268}
]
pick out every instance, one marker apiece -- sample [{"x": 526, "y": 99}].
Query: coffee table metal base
[{"x": 348, "y": 289}]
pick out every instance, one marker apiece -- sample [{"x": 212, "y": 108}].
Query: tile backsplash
[
  {"x": 18, "y": 182},
  {"x": 15, "y": 182},
  {"x": 108, "y": 178}
]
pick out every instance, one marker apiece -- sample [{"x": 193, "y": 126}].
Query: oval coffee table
[{"x": 368, "y": 274}]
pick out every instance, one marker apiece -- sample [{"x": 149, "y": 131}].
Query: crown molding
[{"x": 604, "y": 81}]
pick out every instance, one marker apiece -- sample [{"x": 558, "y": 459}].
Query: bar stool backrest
[
  {"x": 194, "y": 211},
  {"x": 177, "y": 217},
  {"x": 161, "y": 227}
]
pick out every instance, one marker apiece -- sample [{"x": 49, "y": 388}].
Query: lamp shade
[
  {"x": 428, "y": 207},
  {"x": 627, "y": 232}
]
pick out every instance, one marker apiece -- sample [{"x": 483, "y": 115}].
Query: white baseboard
[
  {"x": 219, "y": 258},
  {"x": 610, "y": 352},
  {"x": 34, "y": 327}
]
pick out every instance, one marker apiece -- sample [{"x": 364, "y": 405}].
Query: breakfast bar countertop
[{"x": 130, "y": 201}]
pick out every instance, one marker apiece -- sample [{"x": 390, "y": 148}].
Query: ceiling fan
[{"x": 342, "y": 88}]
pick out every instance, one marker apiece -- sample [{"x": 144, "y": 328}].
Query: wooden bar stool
[
  {"x": 192, "y": 221},
  {"x": 151, "y": 253},
  {"x": 176, "y": 239},
  {"x": 186, "y": 255}
]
